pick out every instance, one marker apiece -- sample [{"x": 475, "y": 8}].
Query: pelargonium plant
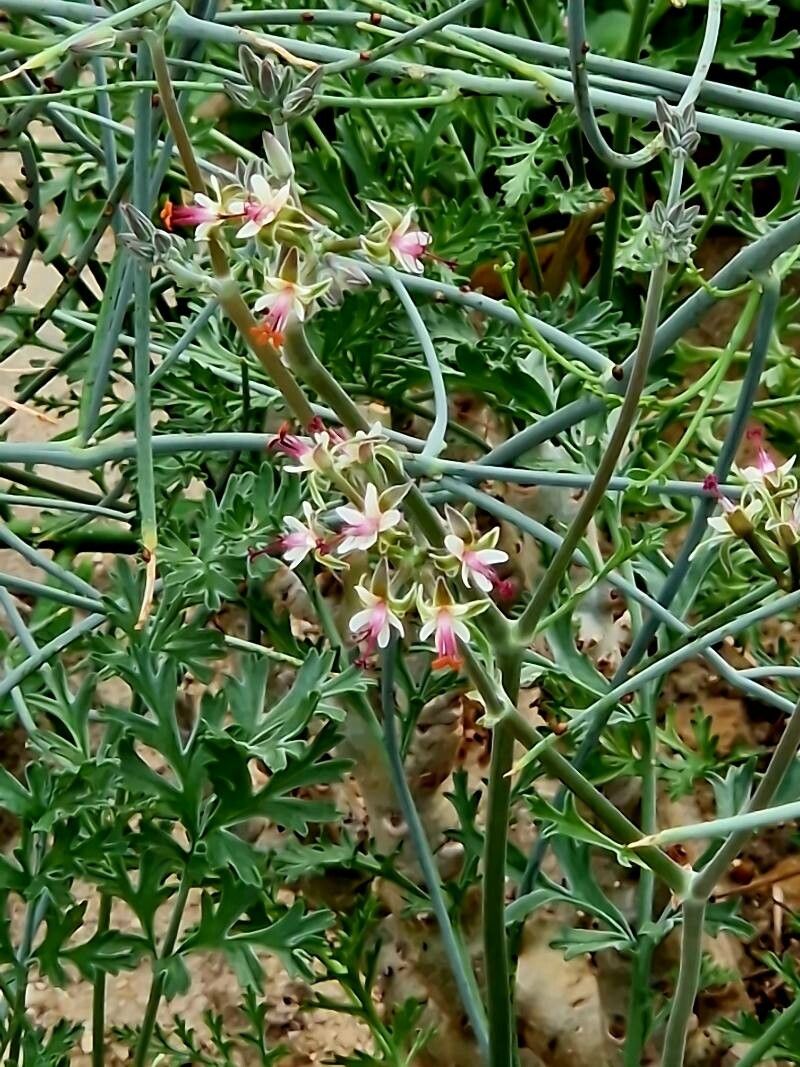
[{"x": 403, "y": 545}]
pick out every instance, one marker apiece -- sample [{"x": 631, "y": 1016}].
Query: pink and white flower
[
  {"x": 313, "y": 456},
  {"x": 300, "y": 539},
  {"x": 444, "y": 620},
  {"x": 373, "y": 624},
  {"x": 203, "y": 214},
  {"x": 361, "y": 447},
  {"x": 765, "y": 475},
  {"x": 408, "y": 246},
  {"x": 262, "y": 206},
  {"x": 735, "y": 522},
  {"x": 362, "y": 528},
  {"x": 478, "y": 557},
  {"x": 396, "y": 238},
  {"x": 285, "y": 299}
]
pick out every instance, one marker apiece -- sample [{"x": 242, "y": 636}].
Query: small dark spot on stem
[
  {"x": 307, "y": 16},
  {"x": 375, "y": 18},
  {"x": 617, "y": 372}
]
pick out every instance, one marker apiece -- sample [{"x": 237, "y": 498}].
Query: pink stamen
[
  {"x": 446, "y": 644},
  {"x": 368, "y": 637},
  {"x": 711, "y": 485},
  {"x": 289, "y": 444},
  {"x": 474, "y": 563}
]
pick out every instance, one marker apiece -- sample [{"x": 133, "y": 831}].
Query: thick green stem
[
  {"x": 99, "y": 991},
  {"x": 688, "y": 980},
  {"x": 502, "y": 1050},
  {"x": 762, "y": 1049}
]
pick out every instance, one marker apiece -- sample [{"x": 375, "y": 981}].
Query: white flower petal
[
  {"x": 372, "y": 508},
  {"x": 349, "y": 515},
  {"x": 454, "y": 545},
  {"x": 390, "y": 519},
  {"x": 360, "y": 620},
  {"x": 490, "y": 556},
  {"x": 261, "y": 188},
  {"x": 366, "y": 596},
  {"x": 250, "y": 229},
  {"x": 481, "y": 582},
  {"x": 427, "y": 629}
]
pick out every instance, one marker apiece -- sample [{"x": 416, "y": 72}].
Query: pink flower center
[
  {"x": 377, "y": 620},
  {"x": 367, "y": 525},
  {"x": 408, "y": 244},
  {"x": 446, "y": 643},
  {"x": 278, "y": 314},
  {"x": 764, "y": 462},
  {"x": 474, "y": 563},
  {"x": 257, "y": 212}
]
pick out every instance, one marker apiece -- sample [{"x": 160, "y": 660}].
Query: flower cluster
[
  {"x": 392, "y": 580},
  {"x": 767, "y": 516},
  {"x": 301, "y": 270}
]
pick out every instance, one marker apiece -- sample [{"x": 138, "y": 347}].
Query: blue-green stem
[
  {"x": 454, "y": 949},
  {"x": 702, "y": 885},
  {"x": 578, "y": 45},
  {"x": 435, "y": 442},
  {"x": 49, "y": 592},
  {"x": 743, "y": 823},
  {"x": 499, "y": 992},
  {"x": 619, "y": 177},
  {"x": 495, "y": 309},
  {"x": 114, "y": 308},
  {"x": 48, "y": 503},
  {"x": 183, "y": 25},
  {"x": 547, "y": 585},
  {"x": 49, "y": 566},
  {"x": 141, "y": 357},
  {"x": 408, "y": 37},
  {"x": 688, "y": 980}
]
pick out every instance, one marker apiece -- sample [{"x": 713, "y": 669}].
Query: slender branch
[
  {"x": 28, "y": 226},
  {"x": 436, "y": 438},
  {"x": 159, "y": 977},
  {"x": 528, "y": 621},
  {"x": 424, "y": 29},
  {"x": 578, "y": 48},
  {"x": 762, "y": 1048},
  {"x": 454, "y": 949}
]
